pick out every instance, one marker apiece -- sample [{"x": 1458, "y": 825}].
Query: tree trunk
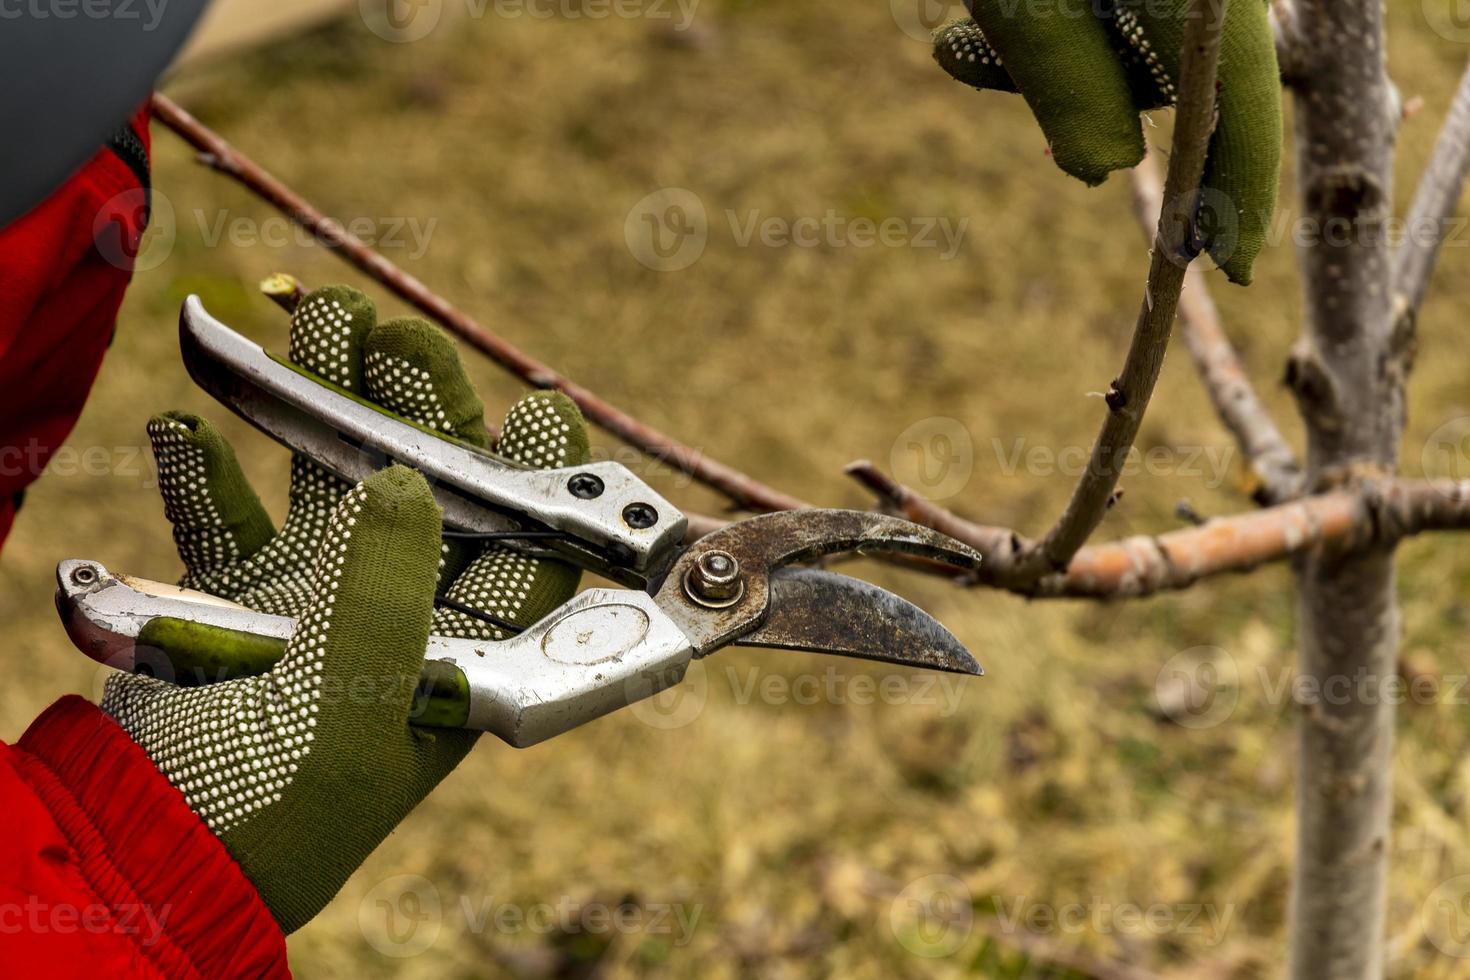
[{"x": 1347, "y": 374}]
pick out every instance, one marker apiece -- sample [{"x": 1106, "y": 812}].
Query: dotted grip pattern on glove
[
  {"x": 1087, "y": 70},
  {"x": 303, "y": 770}
]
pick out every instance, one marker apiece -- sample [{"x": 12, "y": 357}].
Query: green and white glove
[
  {"x": 303, "y": 770},
  {"x": 1087, "y": 69}
]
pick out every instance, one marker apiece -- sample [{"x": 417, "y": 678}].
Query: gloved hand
[
  {"x": 302, "y": 771},
  {"x": 1088, "y": 68}
]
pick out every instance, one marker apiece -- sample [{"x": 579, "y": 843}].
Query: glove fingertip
[
  {"x": 960, "y": 48},
  {"x": 412, "y": 369},
  {"x": 545, "y": 429},
  {"x": 326, "y": 334},
  {"x": 216, "y": 515}
]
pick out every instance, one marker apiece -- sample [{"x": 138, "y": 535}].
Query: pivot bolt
[
  {"x": 714, "y": 580},
  {"x": 84, "y": 575}
]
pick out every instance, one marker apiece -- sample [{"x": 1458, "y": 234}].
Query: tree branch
[
  {"x": 1339, "y": 522},
  {"x": 1174, "y": 248},
  {"x": 742, "y": 490},
  {"x": 1435, "y": 200},
  {"x": 1278, "y": 475}
]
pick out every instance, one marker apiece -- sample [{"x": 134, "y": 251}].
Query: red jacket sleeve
[
  {"x": 106, "y": 872},
  {"x": 64, "y": 266}
]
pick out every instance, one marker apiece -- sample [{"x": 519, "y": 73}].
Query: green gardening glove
[
  {"x": 302, "y": 771},
  {"x": 1089, "y": 68}
]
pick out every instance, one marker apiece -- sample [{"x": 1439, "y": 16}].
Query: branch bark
[
  {"x": 1337, "y": 523},
  {"x": 1347, "y": 374},
  {"x": 1277, "y": 472},
  {"x": 1435, "y": 200},
  {"x": 1174, "y": 247},
  {"x": 742, "y": 490}
]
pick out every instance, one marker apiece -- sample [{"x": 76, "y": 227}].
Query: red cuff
[{"x": 135, "y": 841}]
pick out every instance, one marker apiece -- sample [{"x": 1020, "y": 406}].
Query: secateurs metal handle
[
  {"x": 603, "y": 649},
  {"x": 610, "y": 521}
]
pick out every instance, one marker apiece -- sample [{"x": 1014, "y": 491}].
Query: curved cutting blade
[
  {"x": 830, "y": 613},
  {"x": 760, "y": 546}
]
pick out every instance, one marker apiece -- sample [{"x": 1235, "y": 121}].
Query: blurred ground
[{"x": 774, "y": 826}]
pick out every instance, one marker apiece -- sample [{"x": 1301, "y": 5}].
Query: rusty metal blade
[{"x": 830, "y": 613}]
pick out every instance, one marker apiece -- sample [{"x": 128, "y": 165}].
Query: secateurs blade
[{"x": 602, "y": 649}]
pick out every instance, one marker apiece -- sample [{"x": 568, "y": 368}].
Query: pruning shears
[{"x": 601, "y": 650}]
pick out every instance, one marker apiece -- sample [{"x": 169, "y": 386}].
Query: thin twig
[
  {"x": 1372, "y": 514},
  {"x": 742, "y": 490},
  {"x": 1174, "y": 248},
  {"x": 1277, "y": 472},
  {"x": 1435, "y": 200}
]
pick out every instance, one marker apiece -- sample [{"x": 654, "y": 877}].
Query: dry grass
[{"x": 793, "y": 829}]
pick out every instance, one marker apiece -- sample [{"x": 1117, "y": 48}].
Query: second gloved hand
[{"x": 1087, "y": 68}]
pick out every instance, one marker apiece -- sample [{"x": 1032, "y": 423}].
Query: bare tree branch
[
  {"x": 1374, "y": 514},
  {"x": 1174, "y": 248},
  {"x": 744, "y": 491},
  {"x": 1435, "y": 200},
  {"x": 1278, "y": 475}
]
